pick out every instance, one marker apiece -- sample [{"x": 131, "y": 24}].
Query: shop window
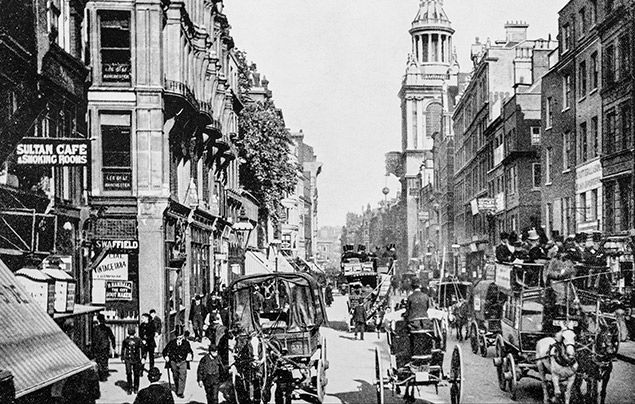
[
  {"x": 115, "y": 52},
  {"x": 116, "y": 155}
]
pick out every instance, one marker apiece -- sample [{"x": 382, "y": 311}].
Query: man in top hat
[
  {"x": 593, "y": 253},
  {"x": 536, "y": 251},
  {"x": 131, "y": 357},
  {"x": 503, "y": 251},
  {"x": 197, "y": 317},
  {"x": 176, "y": 354},
  {"x": 155, "y": 393},
  {"x": 210, "y": 373}
]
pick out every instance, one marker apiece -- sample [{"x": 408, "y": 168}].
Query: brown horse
[
  {"x": 557, "y": 356},
  {"x": 460, "y": 314}
]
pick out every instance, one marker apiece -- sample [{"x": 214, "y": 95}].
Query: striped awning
[{"x": 32, "y": 347}]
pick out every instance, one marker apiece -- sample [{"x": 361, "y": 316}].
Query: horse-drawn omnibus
[{"x": 485, "y": 316}]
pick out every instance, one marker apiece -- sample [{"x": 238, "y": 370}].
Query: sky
[{"x": 335, "y": 68}]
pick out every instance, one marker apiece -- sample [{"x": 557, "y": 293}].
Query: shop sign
[
  {"x": 588, "y": 177},
  {"x": 116, "y": 180},
  {"x": 118, "y": 290},
  {"x": 503, "y": 276},
  {"x": 118, "y": 245},
  {"x": 54, "y": 152},
  {"x": 112, "y": 267},
  {"x": 483, "y": 205}
]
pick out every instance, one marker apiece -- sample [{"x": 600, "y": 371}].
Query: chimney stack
[{"x": 516, "y": 31}]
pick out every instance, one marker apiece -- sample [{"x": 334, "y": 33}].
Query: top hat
[{"x": 533, "y": 235}]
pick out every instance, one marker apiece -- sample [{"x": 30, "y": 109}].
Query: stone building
[
  {"x": 430, "y": 70},
  {"x": 496, "y": 161},
  {"x": 163, "y": 107}
]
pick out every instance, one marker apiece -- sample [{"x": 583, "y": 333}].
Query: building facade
[
  {"x": 431, "y": 68},
  {"x": 163, "y": 107}
]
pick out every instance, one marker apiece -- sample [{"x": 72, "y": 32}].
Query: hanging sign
[
  {"x": 112, "y": 267},
  {"x": 55, "y": 152},
  {"x": 118, "y": 290},
  {"x": 118, "y": 245}
]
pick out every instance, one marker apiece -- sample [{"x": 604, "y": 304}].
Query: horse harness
[{"x": 560, "y": 356}]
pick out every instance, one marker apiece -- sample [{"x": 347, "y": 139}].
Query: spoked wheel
[
  {"x": 482, "y": 345},
  {"x": 320, "y": 381},
  {"x": 498, "y": 362},
  {"x": 511, "y": 377},
  {"x": 444, "y": 337},
  {"x": 474, "y": 339},
  {"x": 379, "y": 378},
  {"x": 456, "y": 375},
  {"x": 323, "y": 355}
]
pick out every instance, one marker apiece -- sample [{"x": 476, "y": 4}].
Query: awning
[
  {"x": 256, "y": 263},
  {"x": 283, "y": 264},
  {"x": 32, "y": 347},
  {"x": 316, "y": 268}
]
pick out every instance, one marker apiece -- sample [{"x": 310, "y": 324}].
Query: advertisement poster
[
  {"x": 113, "y": 267},
  {"x": 118, "y": 290}
]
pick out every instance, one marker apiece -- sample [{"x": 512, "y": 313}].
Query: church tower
[{"x": 431, "y": 68}]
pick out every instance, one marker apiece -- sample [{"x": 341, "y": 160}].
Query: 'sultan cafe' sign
[{"x": 52, "y": 152}]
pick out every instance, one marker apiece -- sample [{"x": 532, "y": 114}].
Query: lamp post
[
  {"x": 243, "y": 228},
  {"x": 274, "y": 246}
]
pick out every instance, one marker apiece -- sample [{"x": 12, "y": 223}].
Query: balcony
[{"x": 181, "y": 90}]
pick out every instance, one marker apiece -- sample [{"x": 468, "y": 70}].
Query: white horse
[{"x": 557, "y": 356}]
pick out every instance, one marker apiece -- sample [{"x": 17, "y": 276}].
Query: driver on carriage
[{"x": 417, "y": 306}]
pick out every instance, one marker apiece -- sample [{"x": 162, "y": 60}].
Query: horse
[
  {"x": 596, "y": 364},
  {"x": 557, "y": 356},
  {"x": 459, "y": 317}
]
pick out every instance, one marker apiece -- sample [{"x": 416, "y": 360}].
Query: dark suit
[
  {"x": 210, "y": 371},
  {"x": 177, "y": 355},
  {"x": 359, "y": 319},
  {"x": 154, "y": 394},
  {"x": 131, "y": 356},
  {"x": 503, "y": 254},
  {"x": 417, "y": 305},
  {"x": 146, "y": 332},
  {"x": 103, "y": 339}
]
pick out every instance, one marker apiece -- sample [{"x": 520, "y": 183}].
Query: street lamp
[
  {"x": 243, "y": 229},
  {"x": 274, "y": 246}
]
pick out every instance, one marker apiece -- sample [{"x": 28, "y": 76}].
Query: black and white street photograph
[{"x": 318, "y": 202}]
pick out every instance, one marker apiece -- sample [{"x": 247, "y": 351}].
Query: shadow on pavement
[
  {"x": 338, "y": 325},
  {"x": 366, "y": 393}
]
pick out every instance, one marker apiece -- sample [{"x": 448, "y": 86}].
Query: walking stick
[{"x": 167, "y": 366}]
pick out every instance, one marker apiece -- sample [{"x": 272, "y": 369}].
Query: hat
[
  {"x": 213, "y": 348},
  {"x": 513, "y": 237},
  {"x": 504, "y": 235},
  {"x": 533, "y": 235},
  {"x": 154, "y": 375},
  {"x": 581, "y": 237},
  {"x": 132, "y": 330}
]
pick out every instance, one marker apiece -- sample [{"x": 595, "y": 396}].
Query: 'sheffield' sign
[
  {"x": 118, "y": 290},
  {"x": 57, "y": 152},
  {"x": 118, "y": 245}
]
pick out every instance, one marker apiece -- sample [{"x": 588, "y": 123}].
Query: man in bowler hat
[
  {"x": 131, "y": 357},
  {"x": 155, "y": 393},
  {"x": 210, "y": 373}
]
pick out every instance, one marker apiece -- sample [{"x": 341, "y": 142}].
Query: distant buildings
[{"x": 328, "y": 248}]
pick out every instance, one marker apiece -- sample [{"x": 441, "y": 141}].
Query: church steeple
[{"x": 432, "y": 34}]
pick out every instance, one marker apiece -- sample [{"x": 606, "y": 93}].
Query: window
[
  {"x": 625, "y": 57},
  {"x": 537, "y": 174},
  {"x": 568, "y": 217},
  {"x": 583, "y": 141},
  {"x": 609, "y": 64},
  {"x": 535, "y": 135},
  {"x": 116, "y": 156},
  {"x": 566, "y": 148},
  {"x": 595, "y": 73},
  {"x": 625, "y": 204},
  {"x": 582, "y": 79},
  {"x": 583, "y": 207},
  {"x": 566, "y": 92},
  {"x": 594, "y": 143},
  {"x": 582, "y": 19},
  {"x": 625, "y": 126},
  {"x": 511, "y": 180},
  {"x": 593, "y": 205},
  {"x": 610, "y": 135},
  {"x": 548, "y": 165},
  {"x": 549, "y": 112},
  {"x": 609, "y": 204},
  {"x": 115, "y": 46},
  {"x": 566, "y": 37},
  {"x": 593, "y": 13}
]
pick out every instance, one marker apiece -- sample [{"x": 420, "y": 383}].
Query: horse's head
[
  {"x": 605, "y": 344},
  {"x": 565, "y": 340}
]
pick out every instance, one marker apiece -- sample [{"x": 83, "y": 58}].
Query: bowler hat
[
  {"x": 132, "y": 330},
  {"x": 154, "y": 375}
]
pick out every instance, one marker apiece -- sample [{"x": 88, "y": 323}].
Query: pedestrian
[
  {"x": 197, "y": 317},
  {"x": 176, "y": 354},
  {"x": 155, "y": 393},
  {"x": 103, "y": 341},
  {"x": 417, "y": 306},
  {"x": 258, "y": 301},
  {"x": 328, "y": 294},
  {"x": 147, "y": 333},
  {"x": 158, "y": 328},
  {"x": 359, "y": 319},
  {"x": 210, "y": 374},
  {"x": 131, "y": 357}
]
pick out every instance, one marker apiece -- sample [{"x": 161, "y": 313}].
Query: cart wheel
[
  {"x": 511, "y": 377},
  {"x": 379, "y": 378},
  {"x": 498, "y": 362},
  {"x": 456, "y": 375},
  {"x": 474, "y": 338},
  {"x": 482, "y": 344}
]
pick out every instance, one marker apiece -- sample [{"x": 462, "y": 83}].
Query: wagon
[
  {"x": 279, "y": 344},
  {"x": 416, "y": 359},
  {"x": 454, "y": 298},
  {"x": 485, "y": 316}
]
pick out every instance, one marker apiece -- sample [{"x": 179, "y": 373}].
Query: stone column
[{"x": 409, "y": 117}]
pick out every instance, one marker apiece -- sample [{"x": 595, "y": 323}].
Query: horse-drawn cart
[
  {"x": 280, "y": 344},
  {"x": 416, "y": 359},
  {"x": 485, "y": 316}
]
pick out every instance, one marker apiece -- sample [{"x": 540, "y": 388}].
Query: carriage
[
  {"x": 416, "y": 359},
  {"x": 454, "y": 298},
  {"x": 280, "y": 342},
  {"x": 485, "y": 316}
]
